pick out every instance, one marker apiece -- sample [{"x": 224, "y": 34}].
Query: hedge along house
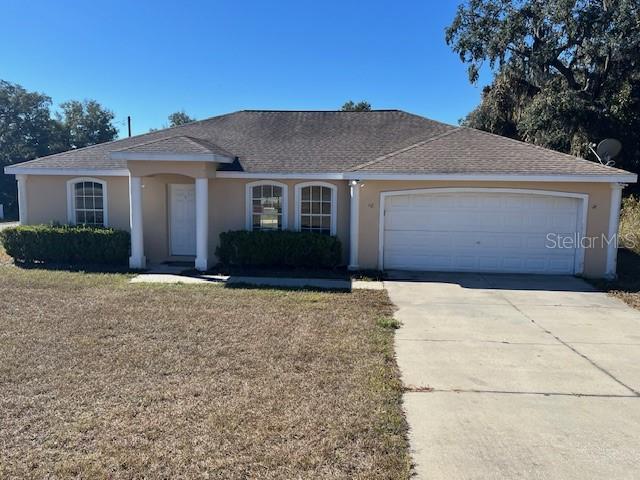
[{"x": 399, "y": 190}]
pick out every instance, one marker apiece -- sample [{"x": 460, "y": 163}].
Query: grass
[
  {"x": 627, "y": 285},
  {"x": 100, "y": 378},
  {"x": 629, "y": 230},
  {"x": 4, "y": 258},
  {"x": 388, "y": 323},
  {"x": 368, "y": 275}
]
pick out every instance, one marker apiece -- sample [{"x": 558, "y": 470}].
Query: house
[{"x": 399, "y": 190}]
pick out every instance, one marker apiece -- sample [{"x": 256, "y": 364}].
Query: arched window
[
  {"x": 316, "y": 207},
  {"x": 87, "y": 202},
  {"x": 266, "y": 205}
]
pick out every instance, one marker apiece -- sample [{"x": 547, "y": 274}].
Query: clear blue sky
[{"x": 148, "y": 59}]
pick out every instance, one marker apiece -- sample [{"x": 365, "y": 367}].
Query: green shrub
[
  {"x": 388, "y": 323},
  {"x": 279, "y": 249},
  {"x": 630, "y": 224},
  {"x": 66, "y": 244}
]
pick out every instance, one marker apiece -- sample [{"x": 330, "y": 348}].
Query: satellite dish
[{"x": 608, "y": 148}]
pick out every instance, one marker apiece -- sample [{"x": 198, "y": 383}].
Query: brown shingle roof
[
  {"x": 469, "y": 151},
  {"x": 380, "y": 141},
  {"x": 177, "y": 144}
]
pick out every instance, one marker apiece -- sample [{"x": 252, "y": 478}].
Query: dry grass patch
[
  {"x": 103, "y": 379},
  {"x": 627, "y": 286},
  {"x": 629, "y": 229},
  {"x": 4, "y": 258}
]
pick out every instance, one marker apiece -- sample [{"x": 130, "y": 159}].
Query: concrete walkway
[
  {"x": 174, "y": 276},
  {"x": 4, "y": 225},
  {"x": 518, "y": 377}
]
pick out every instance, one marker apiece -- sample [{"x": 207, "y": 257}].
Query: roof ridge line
[
  {"x": 197, "y": 141},
  {"x": 204, "y": 143},
  {"x": 404, "y": 149},
  {"x": 151, "y": 141},
  {"x": 324, "y": 111}
]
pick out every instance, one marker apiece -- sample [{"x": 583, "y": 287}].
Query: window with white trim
[
  {"x": 88, "y": 202},
  {"x": 267, "y": 202},
  {"x": 316, "y": 208}
]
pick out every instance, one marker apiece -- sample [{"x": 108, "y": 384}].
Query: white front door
[
  {"x": 479, "y": 232},
  {"x": 182, "y": 219}
]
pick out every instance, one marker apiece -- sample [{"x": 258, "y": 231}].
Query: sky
[{"x": 148, "y": 59}]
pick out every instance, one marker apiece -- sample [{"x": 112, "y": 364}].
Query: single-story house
[{"x": 400, "y": 191}]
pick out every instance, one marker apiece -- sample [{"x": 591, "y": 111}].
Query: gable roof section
[
  {"x": 380, "y": 142},
  {"x": 469, "y": 151},
  {"x": 177, "y": 147}
]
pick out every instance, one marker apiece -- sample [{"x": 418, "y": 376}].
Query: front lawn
[{"x": 103, "y": 379}]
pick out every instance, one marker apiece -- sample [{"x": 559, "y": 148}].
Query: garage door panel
[
  {"x": 479, "y": 221},
  {"x": 482, "y": 264},
  {"x": 398, "y": 201},
  {"x": 515, "y": 241},
  {"x": 420, "y": 241},
  {"x": 478, "y": 231}
]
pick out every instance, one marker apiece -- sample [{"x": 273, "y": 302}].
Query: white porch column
[
  {"x": 137, "y": 258},
  {"x": 202, "y": 224},
  {"x": 22, "y": 199},
  {"x": 612, "y": 234},
  {"x": 354, "y": 223}
]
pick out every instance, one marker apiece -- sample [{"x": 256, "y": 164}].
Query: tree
[
  {"x": 566, "y": 73},
  {"x": 179, "y": 118},
  {"x": 362, "y": 106},
  {"x": 84, "y": 123},
  {"x": 26, "y": 132}
]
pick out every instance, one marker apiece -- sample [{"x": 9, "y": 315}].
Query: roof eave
[
  {"x": 97, "y": 172},
  {"x": 477, "y": 177},
  {"x": 496, "y": 177}
]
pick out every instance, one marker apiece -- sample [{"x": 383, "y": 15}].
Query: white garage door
[{"x": 479, "y": 232}]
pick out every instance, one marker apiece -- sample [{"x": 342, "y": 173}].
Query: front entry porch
[
  {"x": 187, "y": 208},
  {"x": 185, "y": 214}
]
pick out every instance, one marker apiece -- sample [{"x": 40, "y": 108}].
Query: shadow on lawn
[
  {"x": 77, "y": 268},
  {"x": 306, "y": 288}
]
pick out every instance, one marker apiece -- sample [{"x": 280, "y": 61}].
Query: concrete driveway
[{"x": 515, "y": 376}]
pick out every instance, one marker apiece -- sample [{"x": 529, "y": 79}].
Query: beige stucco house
[{"x": 399, "y": 190}]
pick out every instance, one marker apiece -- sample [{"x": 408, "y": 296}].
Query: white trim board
[
  {"x": 282, "y": 176},
  {"x": 71, "y": 172},
  {"x": 493, "y": 177},
  {"x": 23, "y": 199},
  {"x": 614, "y": 222},
  {"x": 628, "y": 178},
  {"x": 582, "y": 212}
]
